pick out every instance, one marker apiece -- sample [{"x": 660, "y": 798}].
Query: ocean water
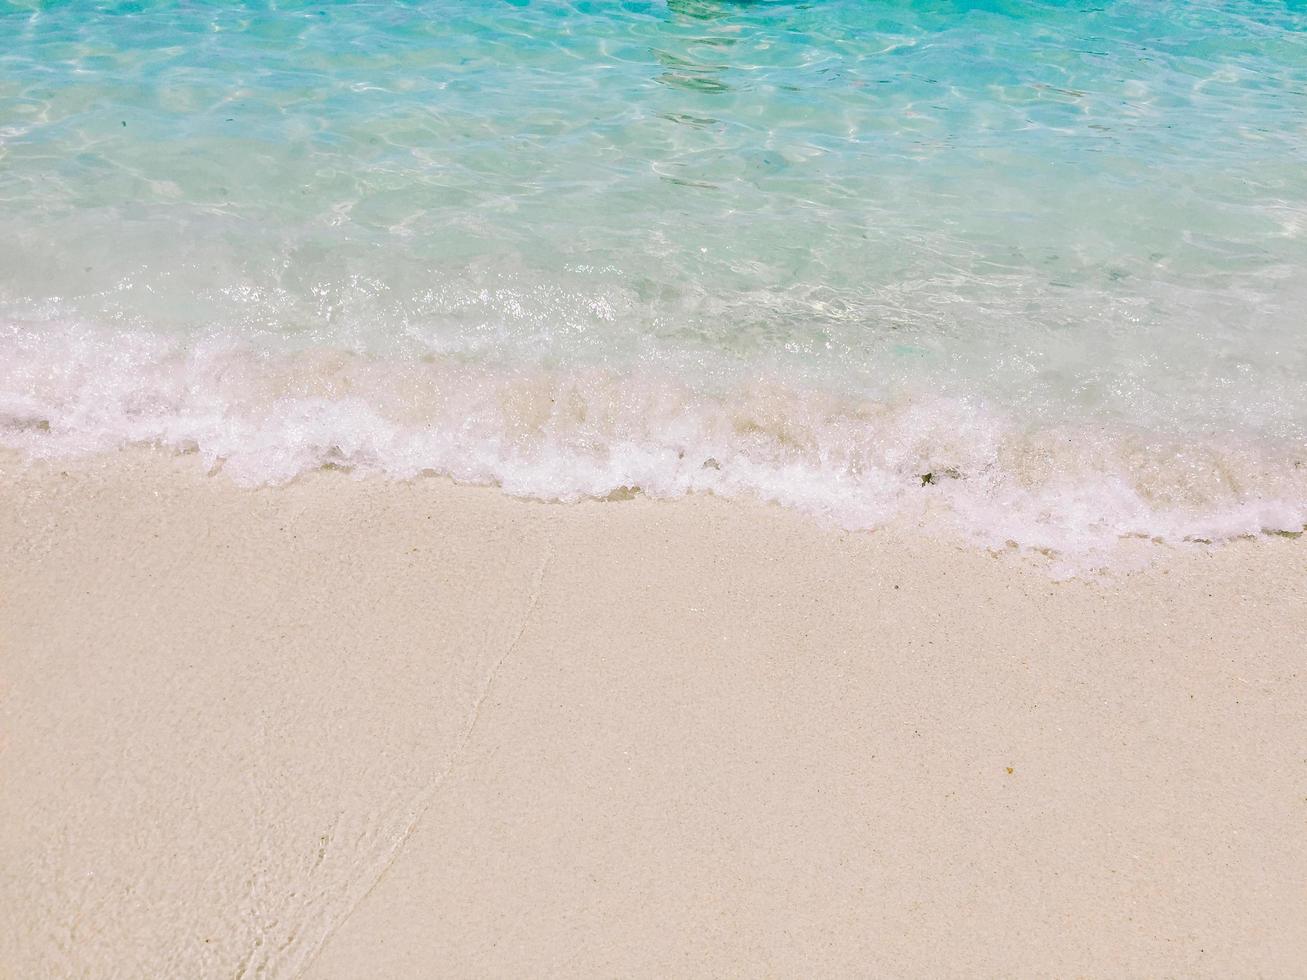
[{"x": 1034, "y": 271}]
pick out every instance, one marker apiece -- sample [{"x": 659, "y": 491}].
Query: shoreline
[
  {"x": 959, "y": 456},
  {"x": 348, "y": 726}
]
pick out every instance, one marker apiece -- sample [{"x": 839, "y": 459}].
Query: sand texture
[{"x": 348, "y": 728}]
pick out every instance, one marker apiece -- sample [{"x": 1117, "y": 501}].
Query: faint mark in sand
[{"x": 427, "y": 795}]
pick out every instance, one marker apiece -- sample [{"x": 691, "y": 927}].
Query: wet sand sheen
[{"x": 350, "y": 727}]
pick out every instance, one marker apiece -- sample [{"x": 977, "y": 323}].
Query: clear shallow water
[{"x": 1035, "y": 270}]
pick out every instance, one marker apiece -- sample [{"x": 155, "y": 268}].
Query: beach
[
  {"x": 353, "y": 726},
  {"x": 664, "y": 489}
]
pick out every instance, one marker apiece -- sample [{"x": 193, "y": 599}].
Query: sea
[{"x": 1032, "y": 272}]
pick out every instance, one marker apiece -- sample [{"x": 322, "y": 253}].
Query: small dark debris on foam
[{"x": 934, "y": 476}]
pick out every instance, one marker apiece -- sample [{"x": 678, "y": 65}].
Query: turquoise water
[{"x": 1034, "y": 270}]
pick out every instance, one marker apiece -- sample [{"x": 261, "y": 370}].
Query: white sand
[{"x": 349, "y": 728}]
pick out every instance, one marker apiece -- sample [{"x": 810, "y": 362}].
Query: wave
[{"x": 265, "y": 416}]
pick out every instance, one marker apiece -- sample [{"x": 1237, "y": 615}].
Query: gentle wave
[{"x": 265, "y": 417}]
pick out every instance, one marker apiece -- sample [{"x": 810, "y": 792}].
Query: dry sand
[{"x": 350, "y": 728}]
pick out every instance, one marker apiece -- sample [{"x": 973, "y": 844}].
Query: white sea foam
[{"x": 264, "y": 417}]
